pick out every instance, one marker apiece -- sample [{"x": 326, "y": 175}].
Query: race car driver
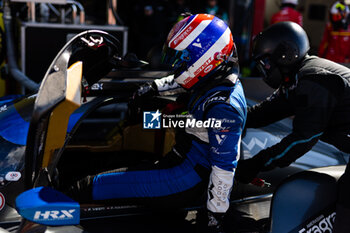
[
  {"x": 335, "y": 44},
  {"x": 288, "y": 13},
  {"x": 202, "y": 54},
  {"x": 315, "y": 91}
]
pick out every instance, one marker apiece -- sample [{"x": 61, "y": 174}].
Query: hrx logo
[
  {"x": 54, "y": 215},
  {"x": 151, "y": 120}
]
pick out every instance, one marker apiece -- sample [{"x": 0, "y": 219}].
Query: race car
[{"x": 51, "y": 139}]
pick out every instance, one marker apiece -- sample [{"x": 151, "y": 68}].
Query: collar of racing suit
[{"x": 222, "y": 79}]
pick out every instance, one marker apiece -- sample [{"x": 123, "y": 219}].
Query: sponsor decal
[
  {"x": 218, "y": 56},
  {"x": 215, "y": 150},
  {"x": 54, "y": 215},
  {"x": 151, "y": 120},
  {"x": 321, "y": 223},
  {"x": 220, "y": 138},
  {"x": 219, "y": 189},
  {"x": 2, "y": 201},
  {"x": 187, "y": 80},
  {"x": 47, "y": 206},
  {"x": 3, "y": 108},
  {"x": 13, "y": 176},
  {"x": 204, "y": 49},
  {"x": 93, "y": 42},
  {"x": 174, "y": 30},
  {"x": 108, "y": 208},
  {"x": 227, "y": 128},
  {"x": 183, "y": 35},
  {"x": 197, "y": 43},
  {"x": 208, "y": 69},
  {"x": 205, "y": 64},
  {"x": 97, "y": 87},
  {"x": 216, "y": 98}
]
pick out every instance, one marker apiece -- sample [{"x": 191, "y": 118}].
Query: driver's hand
[
  {"x": 215, "y": 222},
  {"x": 139, "y": 99},
  {"x": 145, "y": 91}
]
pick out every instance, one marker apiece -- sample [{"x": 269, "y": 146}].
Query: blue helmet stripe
[{"x": 207, "y": 39}]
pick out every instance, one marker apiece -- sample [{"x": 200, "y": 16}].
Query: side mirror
[{"x": 47, "y": 206}]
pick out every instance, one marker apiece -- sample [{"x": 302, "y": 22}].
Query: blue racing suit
[{"x": 200, "y": 154}]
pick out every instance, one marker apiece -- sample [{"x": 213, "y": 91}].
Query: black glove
[
  {"x": 139, "y": 99},
  {"x": 215, "y": 222},
  {"x": 146, "y": 91},
  {"x": 248, "y": 169}
]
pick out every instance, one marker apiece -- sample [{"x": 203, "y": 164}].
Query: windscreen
[
  {"x": 15, "y": 116},
  {"x": 11, "y": 157}
]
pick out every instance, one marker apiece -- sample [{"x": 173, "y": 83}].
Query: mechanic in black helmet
[{"x": 315, "y": 91}]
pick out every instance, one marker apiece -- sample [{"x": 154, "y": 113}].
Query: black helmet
[{"x": 278, "y": 50}]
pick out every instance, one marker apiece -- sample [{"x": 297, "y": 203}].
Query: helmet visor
[
  {"x": 175, "y": 60},
  {"x": 271, "y": 74}
]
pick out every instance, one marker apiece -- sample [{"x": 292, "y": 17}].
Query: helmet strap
[
  {"x": 289, "y": 79},
  {"x": 289, "y": 74}
]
